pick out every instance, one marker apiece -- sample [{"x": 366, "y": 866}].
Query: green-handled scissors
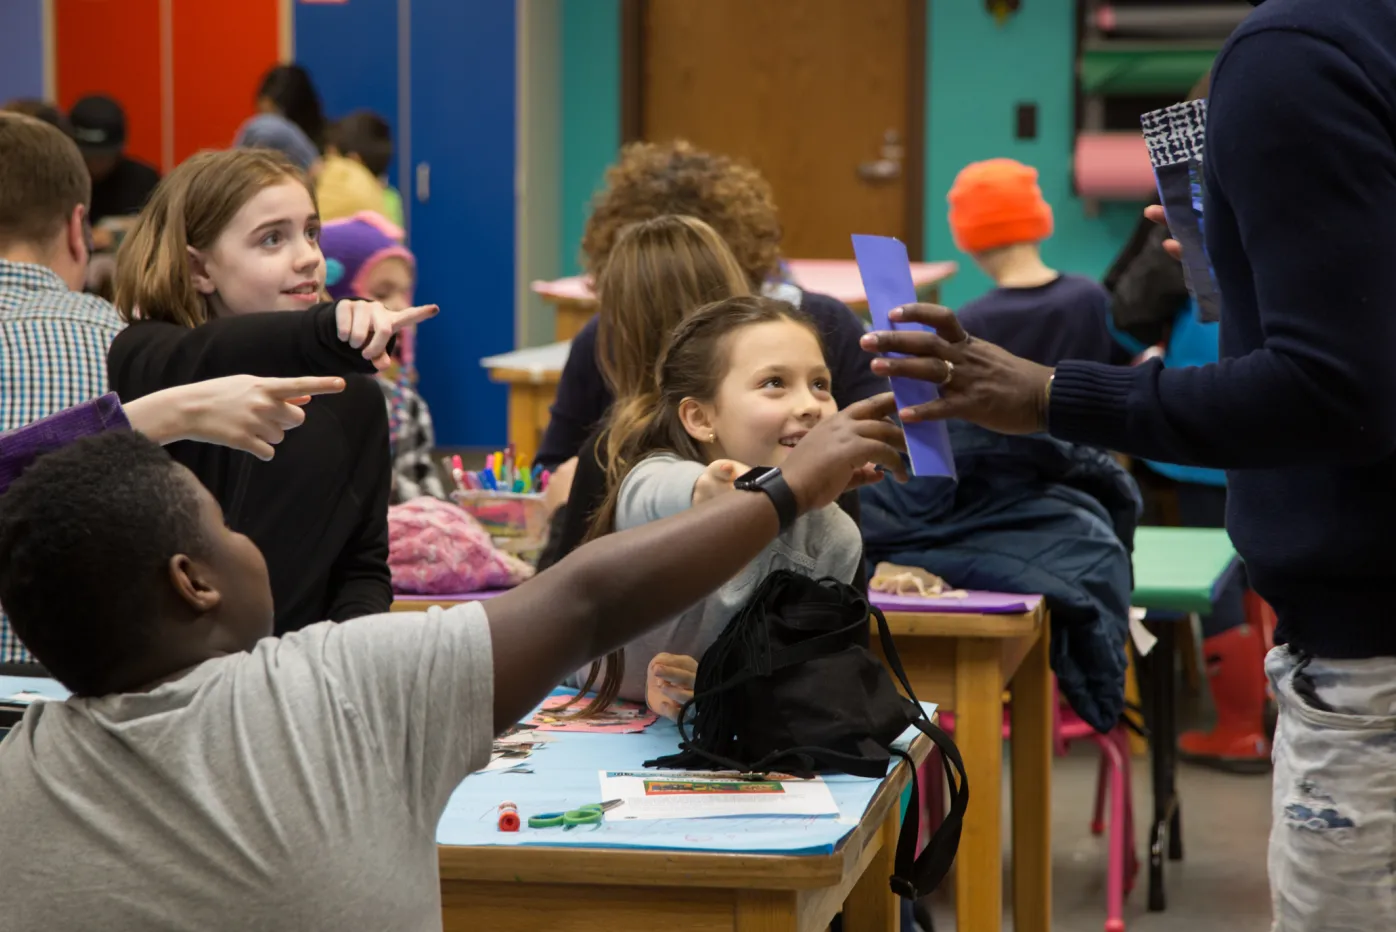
[{"x": 584, "y": 815}]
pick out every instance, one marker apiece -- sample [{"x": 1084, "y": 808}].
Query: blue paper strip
[{"x": 886, "y": 271}]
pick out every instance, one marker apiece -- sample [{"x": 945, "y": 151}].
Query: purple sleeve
[{"x": 20, "y": 447}]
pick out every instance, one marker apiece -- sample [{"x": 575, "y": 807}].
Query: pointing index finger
[
  {"x": 286, "y": 389},
  {"x": 415, "y": 315}
]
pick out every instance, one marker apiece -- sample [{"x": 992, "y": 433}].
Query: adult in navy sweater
[{"x": 1300, "y": 207}]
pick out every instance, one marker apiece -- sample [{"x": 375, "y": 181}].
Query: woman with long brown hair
[{"x": 657, "y": 273}]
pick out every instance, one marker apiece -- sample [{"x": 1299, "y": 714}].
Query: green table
[
  {"x": 1177, "y": 573},
  {"x": 1180, "y": 569}
]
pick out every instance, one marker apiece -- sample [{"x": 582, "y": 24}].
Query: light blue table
[{"x": 750, "y": 874}]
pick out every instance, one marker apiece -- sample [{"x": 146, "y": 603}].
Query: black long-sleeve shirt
[
  {"x": 319, "y": 509},
  {"x": 1300, "y": 219}
]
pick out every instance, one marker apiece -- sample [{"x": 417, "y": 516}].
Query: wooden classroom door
[{"x": 824, "y": 97}]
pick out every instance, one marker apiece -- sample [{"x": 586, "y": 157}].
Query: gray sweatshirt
[{"x": 820, "y": 543}]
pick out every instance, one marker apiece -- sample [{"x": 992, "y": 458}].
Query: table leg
[
  {"x": 871, "y": 905},
  {"x": 1175, "y": 825},
  {"x": 766, "y": 911},
  {"x": 979, "y": 734},
  {"x": 523, "y": 424},
  {"x": 1163, "y": 744},
  {"x": 1031, "y": 743}
]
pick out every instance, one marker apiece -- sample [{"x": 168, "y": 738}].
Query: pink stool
[{"x": 1112, "y": 783}]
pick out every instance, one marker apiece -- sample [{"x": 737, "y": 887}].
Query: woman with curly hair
[{"x": 653, "y": 180}]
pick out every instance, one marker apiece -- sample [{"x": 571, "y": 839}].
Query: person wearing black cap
[{"x": 120, "y": 184}]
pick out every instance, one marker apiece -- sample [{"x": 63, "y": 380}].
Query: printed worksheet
[{"x": 678, "y": 794}]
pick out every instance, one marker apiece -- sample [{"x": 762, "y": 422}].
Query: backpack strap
[
  {"x": 814, "y": 647},
  {"x": 894, "y": 659},
  {"x": 916, "y": 876}
]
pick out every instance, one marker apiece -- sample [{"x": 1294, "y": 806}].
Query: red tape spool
[{"x": 508, "y": 817}]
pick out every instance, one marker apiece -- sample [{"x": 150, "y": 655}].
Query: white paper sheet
[
  {"x": 676, "y": 794},
  {"x": 1144, "y": 639}
]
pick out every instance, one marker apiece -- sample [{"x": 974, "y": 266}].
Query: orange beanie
[{"x": 997, "y": 203}]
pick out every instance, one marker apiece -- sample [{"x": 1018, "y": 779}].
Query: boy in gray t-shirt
[{"x": 208, "y": 776}]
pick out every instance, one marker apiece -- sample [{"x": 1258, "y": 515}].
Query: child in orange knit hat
[{"x": 999, "y": 217}]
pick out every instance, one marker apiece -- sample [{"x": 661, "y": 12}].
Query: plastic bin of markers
[{"x": 517, "y": 521}]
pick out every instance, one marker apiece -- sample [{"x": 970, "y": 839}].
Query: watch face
[{"x": 753, "y": 478}]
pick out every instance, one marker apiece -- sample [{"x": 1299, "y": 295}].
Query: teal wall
[
  {"x": 590, "y": 113},
  {"x": 976, "y": 75}
]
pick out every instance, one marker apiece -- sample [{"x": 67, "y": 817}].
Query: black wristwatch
[{"x": 769, "y": 480}]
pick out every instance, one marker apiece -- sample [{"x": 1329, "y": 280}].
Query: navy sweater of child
[
  {"x": 1300, "y": 221},
  {"x": 1063, "y": 319}
]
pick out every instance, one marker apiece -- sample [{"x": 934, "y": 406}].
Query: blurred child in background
[
  {"x": 365, "y": 258},
  {"x": 999, "y": 217},
  {"x": 289, "y": 119},
  {"x": 275, "y": 132},
  {"x": 288, "y": 91},
  {"x": 356, "y": 166}
]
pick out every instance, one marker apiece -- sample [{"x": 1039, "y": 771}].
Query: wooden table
[
  {"x": 531, "y": 397},
  {"x": 532, "y": 375},
  {"x": 574, "y": 304},
  {"x": 964, "y": 662},
  {"x": 625, "y": 890}
]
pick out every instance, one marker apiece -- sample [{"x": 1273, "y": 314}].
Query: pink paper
[
  {"x": 622, "y": 718},
  {"x": 837, "y": 278}
]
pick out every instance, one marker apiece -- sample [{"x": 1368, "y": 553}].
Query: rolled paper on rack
[
  {"x": 1113, "y": 167},
  {"x": 1213, "y": 20}
]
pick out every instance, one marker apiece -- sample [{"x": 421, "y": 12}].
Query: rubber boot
[{"x": 1236, "y": 675}]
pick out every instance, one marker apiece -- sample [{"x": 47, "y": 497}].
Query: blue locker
[
  {"x": 454, "y": 164},
  {"x": 351, "y": 52},
  {"x": 461, "y": 215}
]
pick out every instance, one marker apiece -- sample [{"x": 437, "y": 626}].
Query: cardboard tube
[
  {"x": 1113, "y": 166},
  {"x": 1211, "y": 20}
]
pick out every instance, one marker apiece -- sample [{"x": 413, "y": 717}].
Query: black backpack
[{"x": 789, "y": 687}]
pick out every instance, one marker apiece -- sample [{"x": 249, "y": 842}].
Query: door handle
[
  {"x": 888, "y": 167},
  {"x": 423, "y": 184},
  {"x": 880, "y": 170}
]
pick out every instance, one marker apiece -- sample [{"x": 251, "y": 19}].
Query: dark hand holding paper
[
  {"x": 886, "y": 272},
  {"x": 1175, "y": 138}
]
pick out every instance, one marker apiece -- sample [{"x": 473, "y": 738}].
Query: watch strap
[{"x": 772, "y": 482}]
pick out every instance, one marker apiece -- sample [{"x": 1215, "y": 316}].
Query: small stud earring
[{"x": 712, "y": 437}]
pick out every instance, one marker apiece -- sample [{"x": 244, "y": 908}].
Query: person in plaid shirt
[{"x": 53, "y": 338}]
